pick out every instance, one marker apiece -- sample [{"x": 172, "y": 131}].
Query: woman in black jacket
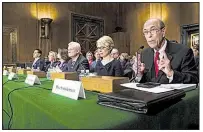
[{"x": 107, "y": 66}]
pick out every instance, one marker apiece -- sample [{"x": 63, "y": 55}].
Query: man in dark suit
[
  {"x": 77, "y": 62},
  {"x": 164, "y": 61},
  {"x": 38, "y": 62}
]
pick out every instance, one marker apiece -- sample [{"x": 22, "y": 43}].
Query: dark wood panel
[
  {"x": 6, "y": 49},
  {"x": 131, "y": 18},
  {"x": 23, "y": 16}
]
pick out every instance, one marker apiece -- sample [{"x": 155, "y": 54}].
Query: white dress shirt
[
  {"x": 163, "y": 48},
  {"x": 35, "y": 61}
]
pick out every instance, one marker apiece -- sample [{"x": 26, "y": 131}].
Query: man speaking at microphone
[{"x": 165, "y": 62}]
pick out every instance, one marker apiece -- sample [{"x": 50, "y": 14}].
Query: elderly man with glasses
[{"x": 163, "y": 61}]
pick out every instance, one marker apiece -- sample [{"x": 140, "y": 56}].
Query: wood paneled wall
[
  {"x": 189, "y": 13},
  {"x": 132, "y": 16},
  {"x": 136, "y": 15},
  {"x": 173, "y": 14},
  {"x": 25, "y": 17}
]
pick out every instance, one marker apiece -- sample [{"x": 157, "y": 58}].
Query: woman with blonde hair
[
  {"x": 108, "y": 66},
  {"x": 52, "y": 59}
]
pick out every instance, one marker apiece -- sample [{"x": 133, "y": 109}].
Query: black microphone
[{"x": 141, "y": 47}]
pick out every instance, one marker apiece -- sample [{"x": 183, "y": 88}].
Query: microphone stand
[{"x": 134, "y": 78}]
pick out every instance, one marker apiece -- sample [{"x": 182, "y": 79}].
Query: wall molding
[
  {"x": 13, "y": 33},
  {"x": 185, "y": 31}
]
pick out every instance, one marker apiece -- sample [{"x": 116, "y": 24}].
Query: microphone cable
[
  {"x": 9, "y": 101},
  {"x": 8, "y": 98}
]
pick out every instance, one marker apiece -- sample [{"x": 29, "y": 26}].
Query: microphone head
[{"x": 141, "y": 47}]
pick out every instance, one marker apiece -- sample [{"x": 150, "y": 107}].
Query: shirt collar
[
  {"x": 37, "y": 58},
  {"x": 163, "y": 48}
]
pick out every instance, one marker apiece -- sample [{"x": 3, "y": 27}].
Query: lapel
[
  {"x": 168, "y": 51},
  {"x": 63, "y": 65},
  {"x": 35, "y": 63}
]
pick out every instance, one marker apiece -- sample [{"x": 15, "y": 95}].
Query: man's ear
[
  {"x": 163, "y": 31},
  {"x": 78, "y": 51},
  {"x": 110, "y": 49}
]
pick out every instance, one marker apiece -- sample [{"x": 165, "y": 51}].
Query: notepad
[
  {"x": 185, "y": 87},
  {"x": 162, "y": 88},
  {"x": 152, "y": 90}
]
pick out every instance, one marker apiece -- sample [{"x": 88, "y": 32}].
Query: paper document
[
  {"x": 162, "y": 88},
  {"x": 152, "y": 90},
  {"x": 185, "y": 87}
]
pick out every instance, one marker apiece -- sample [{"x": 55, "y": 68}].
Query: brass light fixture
[{"x": 45, "y": 27}]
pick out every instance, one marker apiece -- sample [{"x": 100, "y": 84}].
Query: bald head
[
  {"x": 154, "y": 32},
  {"x": 156, "y": 21}
]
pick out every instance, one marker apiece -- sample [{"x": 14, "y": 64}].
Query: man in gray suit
[
  {"x": 77, "y": 62},
  {"x": 164, "y": 61}
]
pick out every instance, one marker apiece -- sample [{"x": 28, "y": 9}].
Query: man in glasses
[
  {"x": 115, "y": 53},
  {"x": 164, "y": 61}
]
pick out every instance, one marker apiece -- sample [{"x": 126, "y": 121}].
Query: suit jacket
[
  {"x": 54, "y": 64},
  {"x": 127, "y": 68},
  {"x": 182, "y": 63},
  {"x": 80, "y": 64},
  {"x": 125, "y": 64},
  {"x": 197, "y": 61},
  {"x": 63, "y": 67},
  {"x": 39, "y": 63},
  {"x": 93, "y": 65},
  {"x": 112, "y": 68}
]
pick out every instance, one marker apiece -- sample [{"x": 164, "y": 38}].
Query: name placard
[
  {"x": 32, "y": 79},
  {"x": 68, "y": 88},
  {"x": 12, "y": 76},
  {"x": 5, "y": 73}
]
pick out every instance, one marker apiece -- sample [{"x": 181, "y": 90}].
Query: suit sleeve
[
  {"x": 41, "y": 65},
  {"x": 188, "y": 72},
  {"x": 83, "y": 65},
  {"x": 47, "y": 67}
]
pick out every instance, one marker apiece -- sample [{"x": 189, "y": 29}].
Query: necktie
[
  {"x": 156, "y": 63},
  {"x": 60, "y": 65},
  {"x": 72, "y": 64}
]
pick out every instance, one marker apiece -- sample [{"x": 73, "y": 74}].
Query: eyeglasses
[
  {"x": 101, "y": 48},
  {"x": 152, "y": 31}
]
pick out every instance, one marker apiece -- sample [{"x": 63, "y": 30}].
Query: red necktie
[{"x": 156, "y": 63}]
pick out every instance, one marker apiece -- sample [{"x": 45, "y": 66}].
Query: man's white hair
[{"x": 75, "y": 45}]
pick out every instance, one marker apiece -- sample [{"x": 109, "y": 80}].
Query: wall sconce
[{"x": 45, "y": 27}]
